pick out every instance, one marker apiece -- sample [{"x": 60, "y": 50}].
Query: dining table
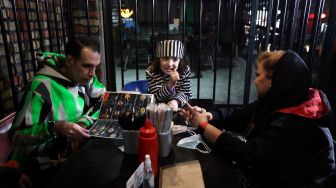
[{"x": 100, "y": 163}]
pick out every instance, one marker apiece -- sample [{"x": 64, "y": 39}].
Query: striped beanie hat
[{"x": 169, "y": 48}]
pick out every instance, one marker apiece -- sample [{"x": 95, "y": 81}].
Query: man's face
[
  {"x": 83, "y": 69},
  {"x": 169, "y": 64},
  {"x": 263, "y": 84}
]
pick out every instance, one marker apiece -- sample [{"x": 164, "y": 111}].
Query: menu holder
[
  {"x": 115, "y": 104},
  {"x": 182, "y": 175}
]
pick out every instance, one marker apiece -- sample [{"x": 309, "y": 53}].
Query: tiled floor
[{"x": 206, "y": 82}]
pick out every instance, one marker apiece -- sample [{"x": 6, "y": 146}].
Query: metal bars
[
  {"x": 19, "y": 41},
  {"x": 8, "y": 61},
  {"x": 56, "y": 27},
  {"x": 267, "y": 24},
  {"x": 121, "y": 45},
  {"x": 31, "y": 45},
  {"x": 252, "y": 34},
  {"x": 41, "y": 38}
]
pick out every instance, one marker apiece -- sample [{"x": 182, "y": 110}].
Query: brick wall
[
  {"x": 81, "y": 25},
  {"x": 90, "y": 28}
]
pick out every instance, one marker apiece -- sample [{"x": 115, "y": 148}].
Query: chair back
[
  {"x": 139, "y": 85},
  {"x": 5, "y": 145}
]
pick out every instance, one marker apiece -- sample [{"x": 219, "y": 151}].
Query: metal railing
[
  {"x": 268, "y": 25},
  {"x": 222, "y": 38}
]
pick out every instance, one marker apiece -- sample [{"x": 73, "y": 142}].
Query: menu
[{"x": 115, "y": 104}]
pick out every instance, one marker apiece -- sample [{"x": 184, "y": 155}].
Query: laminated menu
[{"x": 115, "y": 104}]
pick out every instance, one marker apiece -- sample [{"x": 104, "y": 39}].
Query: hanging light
[{"x": 126, "y": 13}]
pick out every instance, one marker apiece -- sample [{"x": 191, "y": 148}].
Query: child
[{"x": 169, "y": 76}]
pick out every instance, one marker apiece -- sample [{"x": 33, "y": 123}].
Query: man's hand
[
  {"x": 71, "y": 130},
  {"x": 75, "y": 144}
]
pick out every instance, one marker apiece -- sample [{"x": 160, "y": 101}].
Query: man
[
  {"x": 287, "y": 131},
  {"x": 59, "y": 105}
]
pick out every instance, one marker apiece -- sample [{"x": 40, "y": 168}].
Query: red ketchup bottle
[{"x": 148, "y": 144}]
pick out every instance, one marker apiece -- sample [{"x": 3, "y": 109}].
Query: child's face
[{"x": 169, "y": 64}]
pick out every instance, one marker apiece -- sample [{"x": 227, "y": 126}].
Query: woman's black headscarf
[{"x": 290, "y": 84}]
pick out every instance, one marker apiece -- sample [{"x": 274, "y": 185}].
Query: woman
[{"x": 287, "y": 138}]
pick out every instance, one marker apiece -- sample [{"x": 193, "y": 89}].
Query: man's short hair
[{"x": 75, "y": 45}]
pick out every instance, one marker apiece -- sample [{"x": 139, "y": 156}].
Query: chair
[
  {"x": 207, "y": 104},
  {"x": 5, "y": 145},
  {"x": 139, "y": 85}
]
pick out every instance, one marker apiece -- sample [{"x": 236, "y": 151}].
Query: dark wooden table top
[{"x": 101, "y": 164}]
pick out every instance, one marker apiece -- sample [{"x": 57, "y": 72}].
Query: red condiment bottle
[{"x": 148, "y": 144}]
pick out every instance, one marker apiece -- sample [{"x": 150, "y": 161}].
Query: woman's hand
[
  {"x": 198, "y": 118},
  {"x": 188, "y": 115}
]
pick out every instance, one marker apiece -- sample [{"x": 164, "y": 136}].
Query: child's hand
[
  {"x": 173, "y": 77},
  {"x": 173, "y": 104},
  {"x": 209, "y": 116}
]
